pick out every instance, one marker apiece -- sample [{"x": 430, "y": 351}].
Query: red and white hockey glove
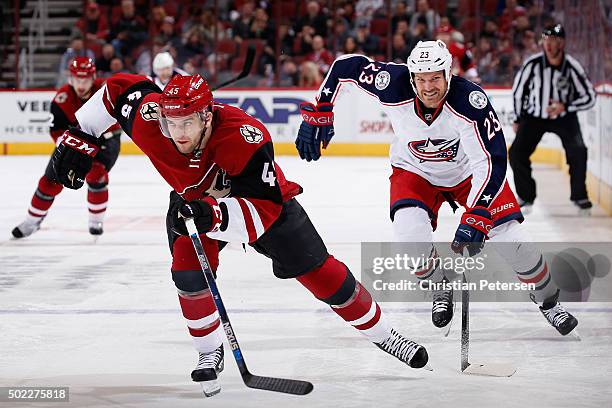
[
  {"x": 317, "y": 128},
  {"x": 73, "y": 157},
  {"x": 206, "y": 214},
  {"x": 472, "y": 231}
]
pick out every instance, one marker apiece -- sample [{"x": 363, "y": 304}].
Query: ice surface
[{"x": 104, "y": 319}]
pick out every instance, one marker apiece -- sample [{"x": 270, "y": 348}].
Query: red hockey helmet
[
  {"x": 185, "y": 95},
  {"x": 82, "y": 67}
]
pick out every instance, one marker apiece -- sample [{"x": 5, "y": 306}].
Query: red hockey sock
[
  {"x": 335, "y": 285},
  {"x": 202, "y": 320},
  {"x": 43, "y": 197},
  {"x": 97, "y": 191}
]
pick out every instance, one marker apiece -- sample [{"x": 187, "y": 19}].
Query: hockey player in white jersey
[{"x": 448, "y": 146}]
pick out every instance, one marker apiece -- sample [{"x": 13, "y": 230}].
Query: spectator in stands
[
  {"x": 158, "y": 14},
  {"x": 116, "y": 66},
  {"x": 261, "y": 28},
  {"x": 509, "y": 15},
  {"x": 400, "y": 13},
  {"x": 319, "y": 55},
  {"x": 103, "y": 63},
  {"x": 192, "y": 49},
  {"x": 366, "y": 9},
  {"x": 335, "y": 42},
  {"x": 431, "y": 17},
  {"x": 399, "y": 50},
  {"x": 417, "y": 33},
  {"x": 303, "y": 40},
  {"x": 93, "y": 25},
  {"x": 242, "y": 24},
  {"x": 314, "y": 18},
  {"x": 129, "y": 31},
  {"x": 490, "y": 30},
  {"x": 193, "y": 18},
  {"x": 367, "y": 42},
  {"x": 287, "y": 38},
  {"x": 347, "y": 13},
  {"x": 350, "y": 47},
  {"x": 167, "y": 33},
  {"x": 528, "y": 45},
  {"x": 76, "y": 49},
  {"x": 310, "y": 76},
  {"x": 486, "y": 60},
  {"x": 289, "y": 75}
]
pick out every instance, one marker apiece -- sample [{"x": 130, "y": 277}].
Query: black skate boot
[
  {"x": 405, "y": 350},
  {"x": 205, "y": 373},
  {"x": 442, "y": 307},
  {"x": 584, "y": 206},
  {"x": 96, "y": 228},
  {"x": 26, "y": 228},
  {"x": 556, "y": 315}
]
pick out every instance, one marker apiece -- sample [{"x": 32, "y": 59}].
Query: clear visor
[{"x": 169, "y": 124}]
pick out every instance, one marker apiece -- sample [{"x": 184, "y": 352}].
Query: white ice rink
[{"x": 103, "y": 318}]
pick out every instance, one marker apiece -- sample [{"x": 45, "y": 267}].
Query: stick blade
[
  {"x": 295, "y": 387},
  {"x": 490, "y": 369}
]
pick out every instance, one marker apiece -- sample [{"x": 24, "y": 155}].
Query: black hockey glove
[
  {"x": 317, "y": 128},
  {"x": 73, "y": 157},
  {"x": 472, "y": 231},
  {"x": 205, "y": 213}
]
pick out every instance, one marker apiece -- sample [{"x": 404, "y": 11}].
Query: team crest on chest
[
  {"x": 148, "y": 111},
  {"x": 251, "y": 134},
  {"x": 61, "y": 97},
  {"x": 434, "y": 150},
  {"x": 478, "y": 99}
]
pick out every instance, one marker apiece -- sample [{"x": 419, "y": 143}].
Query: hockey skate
[
  {"x": 584, "y": 207},
  {"x": 556, "y": 315},
  {"x": 526, "y": 206},
  {"x": 96, "y": 228},
  {"x": 442, "y": 307},
  {"x": 404, "y": 350},
  {"x": 205, "y": 373},
  {"x": 27, "y": 228}
]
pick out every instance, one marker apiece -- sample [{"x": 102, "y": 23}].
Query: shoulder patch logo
[
  {"x": 251, "y": 134},
  {"x": 149, "y": 110},
  {"x": 61, "y": 97},
  {"x": 478, "y": 99},
  {"x": 382, "y": 80}
]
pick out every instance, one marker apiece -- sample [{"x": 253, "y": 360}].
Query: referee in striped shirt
[{"x": 548, "y": 91}]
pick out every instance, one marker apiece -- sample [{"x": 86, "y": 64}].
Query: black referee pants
[{"x": 529, "y": 134}]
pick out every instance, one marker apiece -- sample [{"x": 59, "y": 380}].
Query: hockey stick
[
  {"x": 246, "y": 68},
  {"x": 489, "y": 369},
  {"x": 286, "y": 386}
]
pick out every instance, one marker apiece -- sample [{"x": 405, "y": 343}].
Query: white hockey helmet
[
  {"x": 430, "y": 56},
  {"x": 161, "y": 61}
]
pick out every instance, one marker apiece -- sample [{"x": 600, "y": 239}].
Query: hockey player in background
[
  {"x": 448, "y": 146},
  {"x": 164, "y": 69},
  {"x": 82, "y": 83},
  {"x": 220, "y": 163}
]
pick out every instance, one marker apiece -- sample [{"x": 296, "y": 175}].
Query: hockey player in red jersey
[
  {"x": 82, "y": 83},
  {"x": 220, "y": 164},
  {"x": 448, "y": 146}
]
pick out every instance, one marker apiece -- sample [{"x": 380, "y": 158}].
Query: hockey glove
[
  {"x": 317, "y": 128},
  {"x": 472, "y": 231},
  {"x": 73, "y": 157},
  {"x": 205, "y": 213}
]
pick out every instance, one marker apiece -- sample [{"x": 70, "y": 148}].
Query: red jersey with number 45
[{"x": 236, "y": 166}]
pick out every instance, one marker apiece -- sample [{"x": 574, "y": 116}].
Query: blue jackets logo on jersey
[{"x": 434, "y": 150}]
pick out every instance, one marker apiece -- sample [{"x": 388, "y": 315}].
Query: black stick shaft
[{"x": 465, "y": 324}]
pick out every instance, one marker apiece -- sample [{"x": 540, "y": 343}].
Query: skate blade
[
  {"x": 446, "y": 329},
  {"x": 584, "y": 212},
  {"x": 210, "y": 388},
  {"x": 490, "y": 369},
  {"x": 427, "y": 367},
  {"x": 574, "y": 335}
]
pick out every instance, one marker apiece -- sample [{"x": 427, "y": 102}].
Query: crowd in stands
[{"x": 296, "y": 42}]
